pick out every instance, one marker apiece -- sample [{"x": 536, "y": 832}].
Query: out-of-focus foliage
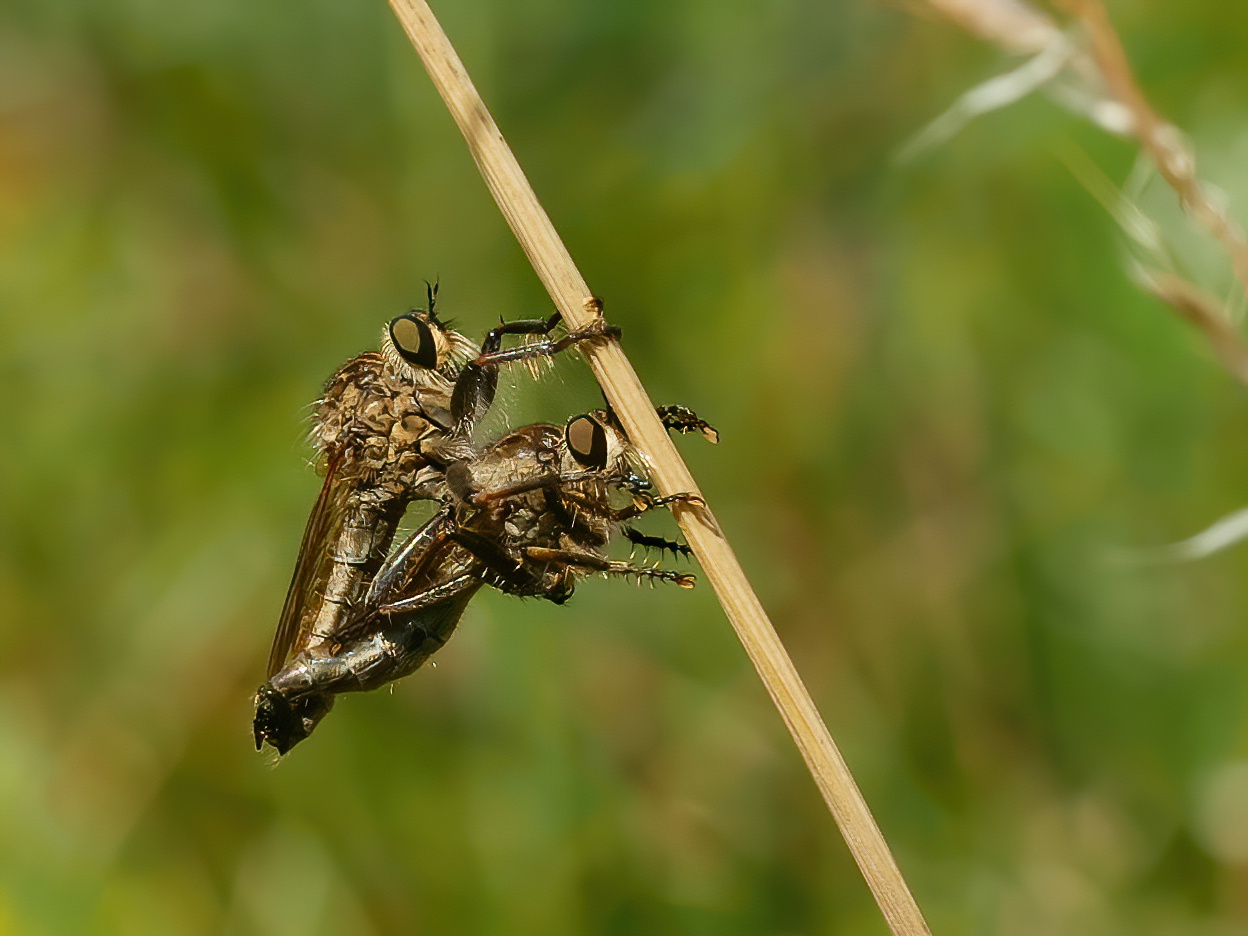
[{"x": 944, "y": 409}]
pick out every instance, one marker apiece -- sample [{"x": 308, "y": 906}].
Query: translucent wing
[{"x": 314, "y": 565}]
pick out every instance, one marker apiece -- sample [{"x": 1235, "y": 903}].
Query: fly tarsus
[
  {"x": 659, "y": 543},
  {"x": 597, "y": 330},
  {"x": 684, "y": 420},
  {"x": 644, "y": 501},
  {"x": 494, "y": 338},
  {"x": 685, "y": 497},
  {"x": 595, "y": 563},
  {"x": 478, "y": 381}
]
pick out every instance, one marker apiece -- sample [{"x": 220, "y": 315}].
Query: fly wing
[{"x": 314, "y": 565}]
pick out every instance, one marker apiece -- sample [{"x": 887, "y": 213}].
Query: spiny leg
[
  {"x": 682, "y": 419},
  {"x": 547, "y": 481},
  {"x": 643, "y": 502},
  {"x": 474, "y": 389},
  {"x": 430, "y": 596},
  {"x": 595, "y": 331},
  {"x": 608, "y": 566},
  {"x": 662, "y": 544},
  {"x": 581, "y": 523},
  {"x": 513, "y": 573},
  {"x": 494, "y": 338}
]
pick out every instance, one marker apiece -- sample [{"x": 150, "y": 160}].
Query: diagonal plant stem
[{"x": 573, "y": 298}]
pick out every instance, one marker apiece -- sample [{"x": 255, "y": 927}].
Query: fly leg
[
  {"x": 676, "y": 418},
  {"x": 411, "y": 559},
  {"x": 511, "y": 572},
  {"x": 478, "y": 381},
  {"x": 643, "y": 502},
  {"x": 595, "y": 563},
  {"x": 662, "y": 544},
  {"x": 683, "y": 420},
  {"x": 429, "y": 597},
  {"x": 597, "y": 330},
  {"x": 503, "y": 492}
]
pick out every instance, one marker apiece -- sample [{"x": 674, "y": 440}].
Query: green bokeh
[{"x": 944, "y": 407}]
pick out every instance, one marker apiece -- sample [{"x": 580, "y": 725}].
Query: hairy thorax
[{"x": 378, "y": 422}]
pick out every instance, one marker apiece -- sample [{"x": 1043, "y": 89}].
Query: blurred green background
[{"x": 944, "y": 409}]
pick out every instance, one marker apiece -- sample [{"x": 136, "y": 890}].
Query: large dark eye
[
  {"x": 413, "y": 339},
  {"x": 587, "y": 441}
]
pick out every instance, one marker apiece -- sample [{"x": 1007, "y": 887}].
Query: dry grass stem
[
  {"x": 1013, "y": 25},
  {"x": 1102, "y": 87},
  {"x": 1206, "y": 314},
  {"x": 1162, "y": 142},
  {"x": 573, "y": 298}
]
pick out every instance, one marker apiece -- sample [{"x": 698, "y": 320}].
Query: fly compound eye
[
  {"x": 587, "y": 441},
  {"x": 413, "y": 339}
]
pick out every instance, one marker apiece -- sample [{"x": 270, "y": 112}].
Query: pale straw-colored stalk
[{"x": 573, "y": 298}]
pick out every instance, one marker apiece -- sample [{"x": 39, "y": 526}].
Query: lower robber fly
[
  {"x": 386, "y": 426},
  {"x": 528, "y": 515}
]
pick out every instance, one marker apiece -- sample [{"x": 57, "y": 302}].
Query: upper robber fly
[
  {"x": 528, "y": 515},
  {"x": 385, "y": 428}
]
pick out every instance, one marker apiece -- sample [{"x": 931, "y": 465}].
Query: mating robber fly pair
[{"x": 526, "y": 514}]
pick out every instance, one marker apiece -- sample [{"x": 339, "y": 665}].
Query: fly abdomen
[
  {"x": 376, "y": 659},
  {"x": 360, "y": 549}
]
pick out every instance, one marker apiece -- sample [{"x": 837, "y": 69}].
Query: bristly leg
[
  {"x": 682, "y": 419},
  {"x": 474, "y": 390},
  {"x": 608, "y": 566},
  {"x": 642, "y": 502},
  {"x": 647, "y": 574},
  {"x": 662, "y": 544},
  {"x": 490, "y": 353}
]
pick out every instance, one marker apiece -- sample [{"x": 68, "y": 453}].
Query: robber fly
[
  {"x": 385, "y": 428},
  {"x": 528, "y": 515}
]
